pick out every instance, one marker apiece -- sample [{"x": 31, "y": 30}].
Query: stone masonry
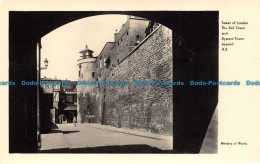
[{"x": 146, "y": 108}]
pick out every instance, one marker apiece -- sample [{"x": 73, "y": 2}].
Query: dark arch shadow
[
  {"x": 193, "y": 105},
  {"x": 126, "y": 149}
]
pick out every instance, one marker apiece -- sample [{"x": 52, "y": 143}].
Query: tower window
[
  {"x": 100, "y": 62},
  {"x": 93, "y": 74},
  {"x": 108, "y": 62},
  {"x": 137, "y": 39}
]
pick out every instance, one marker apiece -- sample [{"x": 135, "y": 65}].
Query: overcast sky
[{"x": 61, "y": 46}]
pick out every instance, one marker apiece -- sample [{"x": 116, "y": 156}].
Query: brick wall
[{"x": 146, "y": 108}]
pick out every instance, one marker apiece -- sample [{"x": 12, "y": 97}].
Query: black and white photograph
[
  {"x": 113, "y": 82},
  {"x": 120, "y": 81}
]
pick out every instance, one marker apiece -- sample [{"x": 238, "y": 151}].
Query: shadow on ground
[
  {"x": 54, "y": 129},
  {"x": 111, "y": 149},
  {"x": 127, "y": 133},
  {"x": 68, "y": 132}
]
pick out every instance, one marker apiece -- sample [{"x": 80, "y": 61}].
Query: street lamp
[{"x": 45, "y": 64}]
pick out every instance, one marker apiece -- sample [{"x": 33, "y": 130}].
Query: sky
[{"x": 61, "y": 47}]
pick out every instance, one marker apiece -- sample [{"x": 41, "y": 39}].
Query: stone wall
[{"x": 148, "y": 108}]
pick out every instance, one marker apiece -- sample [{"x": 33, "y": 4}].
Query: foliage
[{"x": 86, "y": 106}]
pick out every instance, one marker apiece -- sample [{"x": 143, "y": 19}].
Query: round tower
[{"x": 86, "y": 91}]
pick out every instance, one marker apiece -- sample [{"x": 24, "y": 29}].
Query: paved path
[
  {"x": 100, "y": 138},
  {"x": 54, "y": 142}
]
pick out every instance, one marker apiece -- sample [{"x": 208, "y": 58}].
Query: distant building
[
  {"x": 63, "y": 98},
  {"x": 130, "y": 35}
]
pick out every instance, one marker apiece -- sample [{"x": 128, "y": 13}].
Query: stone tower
[{"x": 86, "y": 93}]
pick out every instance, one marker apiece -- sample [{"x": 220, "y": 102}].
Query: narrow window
[
  {"x": 100, "y": 62},
  {"x": 137, "y": 37},
  {"x": 108, "y": 62}
]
